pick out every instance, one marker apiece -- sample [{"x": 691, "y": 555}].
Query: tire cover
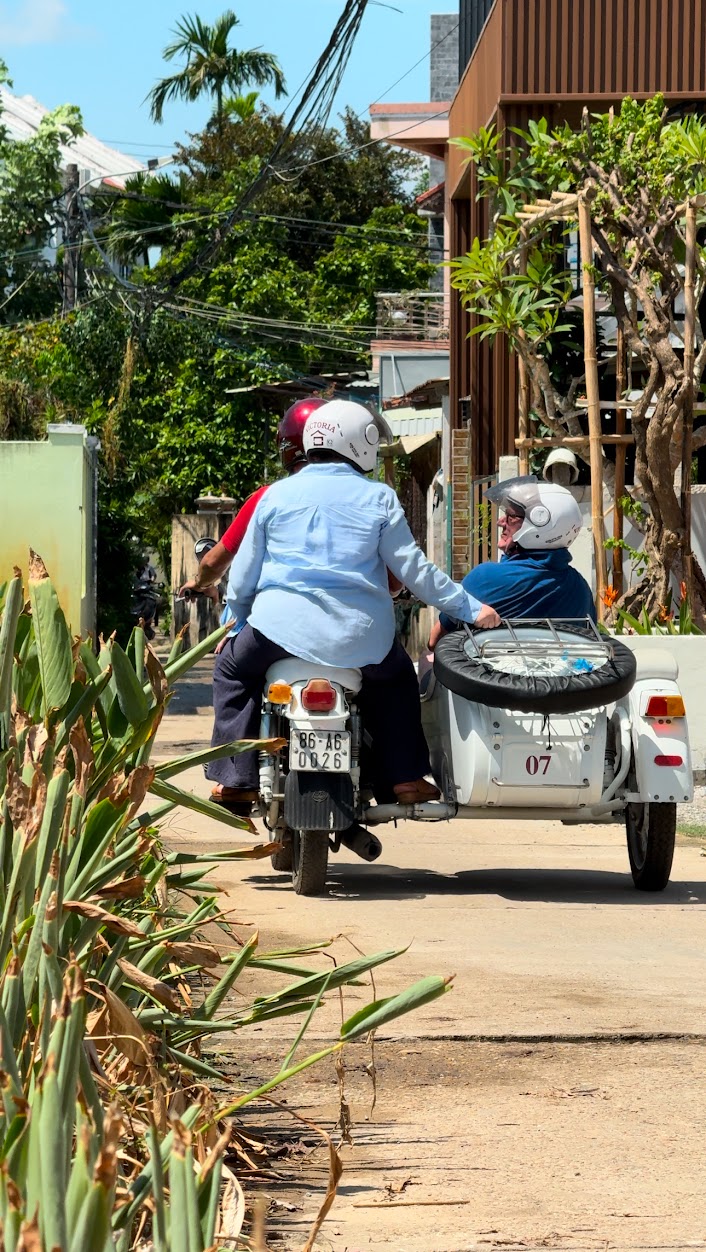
[{"x": 474, "y": 679}]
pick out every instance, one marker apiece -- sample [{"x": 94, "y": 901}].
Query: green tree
[
  {"x": 213, "y": 66},
  {"x": 637, "y": 167},
  {"x": 31, "y": 212}
]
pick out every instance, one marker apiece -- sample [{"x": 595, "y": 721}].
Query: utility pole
[{"x": 71, "y": 238}]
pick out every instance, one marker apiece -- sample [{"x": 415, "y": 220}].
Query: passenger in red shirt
[{"x": 214, "y": 563}]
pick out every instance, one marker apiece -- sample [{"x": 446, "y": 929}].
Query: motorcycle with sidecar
[{"x": 537, "y": 719}]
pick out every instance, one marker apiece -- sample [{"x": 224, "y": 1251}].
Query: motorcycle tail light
[
  {"x": 668, "y": 760},
  {"x": 319, "y": 696},
  {"x": 665, "y": 706},
  {"x": 279, "y": 693}
]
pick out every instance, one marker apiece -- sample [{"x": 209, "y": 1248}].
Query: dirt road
[{"x": 556, "y": 1096}]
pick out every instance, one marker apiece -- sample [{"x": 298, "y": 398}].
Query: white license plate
[{"x": 320, "y": 750}]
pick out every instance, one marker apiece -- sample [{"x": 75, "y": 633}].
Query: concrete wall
[
  {"x": 48, "y": 504},
  {"x": 443, "y": 60},
  {"x": 401, "y": 369}
]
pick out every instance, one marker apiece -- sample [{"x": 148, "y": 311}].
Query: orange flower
[
  {"x": 610, "y": 595},
  {"x": 664, "y": 615},
  {"x": 683, "y": 590}
]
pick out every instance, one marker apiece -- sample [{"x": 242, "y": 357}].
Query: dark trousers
[{"x": 389, "y": 704}]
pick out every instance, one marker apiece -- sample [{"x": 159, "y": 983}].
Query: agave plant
[{"x": 111, "y": 1136}]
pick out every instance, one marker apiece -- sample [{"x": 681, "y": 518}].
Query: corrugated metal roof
[{"x": 22, "y": 116}]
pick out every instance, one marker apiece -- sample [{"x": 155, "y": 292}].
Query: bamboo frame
[
  {"x": 524, "y": 397},
  {"x": 594, "y": 403},
  {"x": 560, "y": 207},
  {"x": 620, "y": 458}
]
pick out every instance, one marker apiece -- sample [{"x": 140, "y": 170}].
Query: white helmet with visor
[{"x": 551, "y": 516}]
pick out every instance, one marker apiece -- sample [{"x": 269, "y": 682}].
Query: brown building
[{"x": 523, "y": 59}]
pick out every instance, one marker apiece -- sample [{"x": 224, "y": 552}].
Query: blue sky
[{"x": 104, "y": 55}]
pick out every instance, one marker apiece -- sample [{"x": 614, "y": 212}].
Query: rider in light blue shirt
[{"x": 311, "y": 571}]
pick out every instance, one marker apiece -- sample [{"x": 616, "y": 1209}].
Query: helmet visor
[{"x": 513, "y": 490}]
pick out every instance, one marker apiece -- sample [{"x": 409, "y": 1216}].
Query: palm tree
[{"x": 212, "y": 66}]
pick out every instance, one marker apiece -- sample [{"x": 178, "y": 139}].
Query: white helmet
[
  {"x": 561, "y": 466},
  {"x": 349, "y": 429},
  {"x": 552, "y": 518}
]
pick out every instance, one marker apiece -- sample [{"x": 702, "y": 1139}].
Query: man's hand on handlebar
[{"x": 487, "y": 618}]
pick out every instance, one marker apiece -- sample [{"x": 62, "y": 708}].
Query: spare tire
[{"x": 524, "y": 669}]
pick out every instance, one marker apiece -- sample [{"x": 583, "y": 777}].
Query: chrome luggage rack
[{"x": 551, "y": 648}]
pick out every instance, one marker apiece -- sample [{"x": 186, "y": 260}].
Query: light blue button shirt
[{"x": 311, "y": 575}]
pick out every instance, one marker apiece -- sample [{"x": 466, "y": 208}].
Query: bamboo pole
[
  {"x": 573, "y": 441},
  {"x": 620, "y": 454},
  {"x": 594, "y": 409},
  {"x": 523, "y": 416},
  {"x": 688, "y": 421}
]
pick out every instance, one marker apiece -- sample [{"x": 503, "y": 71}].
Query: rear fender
[{"x": 653, "y": 738}]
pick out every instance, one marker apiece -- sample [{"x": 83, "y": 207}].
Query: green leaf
[
  {"x": 381, "y": 1011},
  {"x": 52, "y": 636},
  {"x": 131, "y": 697}
]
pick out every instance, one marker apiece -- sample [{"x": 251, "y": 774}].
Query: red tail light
[
  {"x": 668, "y": 760},
  {"x": 319, "y": 696},
  {"x": 665, "y": 706}
]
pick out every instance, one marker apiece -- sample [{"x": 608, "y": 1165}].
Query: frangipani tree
[{"x": 638, "y": 168}]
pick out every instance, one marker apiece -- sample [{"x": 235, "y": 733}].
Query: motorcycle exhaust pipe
[{"x": 430, "y": 811}]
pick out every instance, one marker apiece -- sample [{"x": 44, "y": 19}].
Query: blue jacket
[{"x": 530, "y": 584}]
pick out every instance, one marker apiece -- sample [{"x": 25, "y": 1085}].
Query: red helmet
[{"x": 290, "y": 430}]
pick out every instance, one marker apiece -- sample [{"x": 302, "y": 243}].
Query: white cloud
[{"x": 32, "y": 21}]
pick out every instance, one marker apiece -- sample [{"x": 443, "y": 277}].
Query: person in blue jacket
[{"x": 534, "y": 577}]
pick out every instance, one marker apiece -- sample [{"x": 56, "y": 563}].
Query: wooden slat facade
[{"x": 549, "y": 58}]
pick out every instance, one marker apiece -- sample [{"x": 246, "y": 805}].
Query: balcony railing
[{"x": 413, "y": 315}]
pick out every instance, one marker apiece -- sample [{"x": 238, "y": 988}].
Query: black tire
[
  {"x": 309, "y": 862},
  {"x": 474, "y": 679},
  {"x": 651, "y": 833},
  {"x": 283, "y": 861}
]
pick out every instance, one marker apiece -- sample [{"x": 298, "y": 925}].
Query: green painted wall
[{"x": 47, "y": 494}]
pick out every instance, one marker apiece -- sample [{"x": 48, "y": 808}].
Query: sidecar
[{"x": 553, "y": 720}]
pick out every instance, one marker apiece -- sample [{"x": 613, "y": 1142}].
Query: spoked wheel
[
  {"x": 283, "y": 861},
  {"x": 651, "y": 832},
  {"x": 309, "y": 861}
]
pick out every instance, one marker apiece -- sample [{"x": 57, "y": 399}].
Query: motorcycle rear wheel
[
  {"x": 309, "y": 862},
  {"x": 283, "y": 861}
]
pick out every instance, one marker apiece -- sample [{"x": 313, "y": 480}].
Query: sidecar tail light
[
  {"x": 665, "y": 706},
  {"x": 668, "y": 760},
  {"x": 319, "y": 696}
]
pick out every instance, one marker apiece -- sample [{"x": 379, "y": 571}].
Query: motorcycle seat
[{"x": 292, "y": 670}]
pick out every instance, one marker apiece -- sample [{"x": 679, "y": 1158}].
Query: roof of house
[
  {"x": 433, "y": 199},
  {"x": 22, "y": 116}
]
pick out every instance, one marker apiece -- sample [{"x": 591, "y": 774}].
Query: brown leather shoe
[{"x": 417, "y": 792}]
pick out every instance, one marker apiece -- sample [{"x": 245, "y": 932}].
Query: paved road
[{"x": 549, "y": 942}]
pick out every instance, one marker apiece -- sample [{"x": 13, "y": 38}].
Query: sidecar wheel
[
  {"x": 651, "y": 833},
  {"x": 309, "y": 862}
]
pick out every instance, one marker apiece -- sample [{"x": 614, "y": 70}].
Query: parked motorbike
[
  {"x": 534, "y": 720},
  {"x": 147, "y": 600}
]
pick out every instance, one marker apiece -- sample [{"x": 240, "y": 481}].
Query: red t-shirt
[{"x": 235, "y": 533}]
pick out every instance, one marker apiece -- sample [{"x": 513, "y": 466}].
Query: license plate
[{"x": 320, "y": 750}]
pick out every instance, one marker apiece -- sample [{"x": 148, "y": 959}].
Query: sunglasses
[{"x": 512, "y": 517}]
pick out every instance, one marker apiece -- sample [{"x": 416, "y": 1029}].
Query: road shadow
[{"x": 551, "y": 886}]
